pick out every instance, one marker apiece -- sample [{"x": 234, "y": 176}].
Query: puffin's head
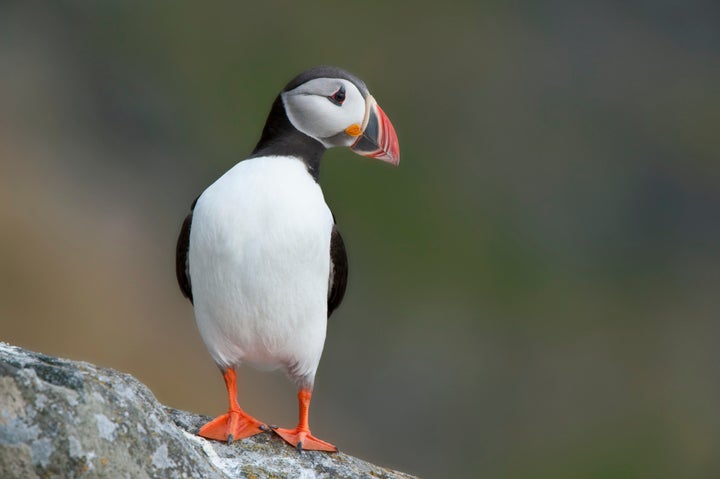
[{"x": 334, "y": 107}]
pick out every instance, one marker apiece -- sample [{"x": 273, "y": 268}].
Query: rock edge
[{"x": 62, "y": 418}]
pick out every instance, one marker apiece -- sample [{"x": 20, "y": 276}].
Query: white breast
[{"x": 259, "y": 264}]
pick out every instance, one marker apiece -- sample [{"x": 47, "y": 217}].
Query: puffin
[{"x": 260, "y": 257}]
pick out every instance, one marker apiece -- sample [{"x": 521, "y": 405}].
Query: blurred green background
[{"x": 533, "y": 293}]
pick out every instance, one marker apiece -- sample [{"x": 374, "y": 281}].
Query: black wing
[
  {"x": 182, "y": 268},
  {"x": 338, "y": 271}
]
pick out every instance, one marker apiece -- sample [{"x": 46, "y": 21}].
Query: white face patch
[{"x": 311, "y": 110}]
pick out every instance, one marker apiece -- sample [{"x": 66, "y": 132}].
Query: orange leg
[
  {"x": 236, "y": 424},
  {"x": 300, "y": 437}
]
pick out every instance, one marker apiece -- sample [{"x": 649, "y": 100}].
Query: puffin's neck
[{"x": 281, "y": 138}]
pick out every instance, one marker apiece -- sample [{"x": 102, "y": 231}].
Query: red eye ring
[{"x": 338, "y": 97}]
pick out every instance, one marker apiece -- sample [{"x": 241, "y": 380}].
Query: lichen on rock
[{"x": 71, "y": 419}]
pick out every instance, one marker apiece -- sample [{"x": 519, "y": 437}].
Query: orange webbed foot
[
  {"x": 232, "y": 426},
  {"x": 303, "y": 440}
]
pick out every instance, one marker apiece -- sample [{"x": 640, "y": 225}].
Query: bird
[{"x": 259, "y": 255}]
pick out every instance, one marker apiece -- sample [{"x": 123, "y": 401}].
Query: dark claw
[
  {"x": 274, "y": 426},
  {"x": 230, "y": 439},
  {"x": 299, "y": 447},
  {"x": 263, "y": 427}
]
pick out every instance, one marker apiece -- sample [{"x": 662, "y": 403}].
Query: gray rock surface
[{"x": 61, "y": 418}]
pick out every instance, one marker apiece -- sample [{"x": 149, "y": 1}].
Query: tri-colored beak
[{"x": 378, "y": 138}]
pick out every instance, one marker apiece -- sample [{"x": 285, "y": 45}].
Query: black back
[
  {"x": 182, "y": 267},
  {"x": 338, "y": 271}
]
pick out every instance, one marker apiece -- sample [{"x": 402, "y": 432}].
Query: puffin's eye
[{"x": 338, "y": 97}]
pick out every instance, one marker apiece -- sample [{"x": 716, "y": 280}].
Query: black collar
[{"x": 281, "y": 138}]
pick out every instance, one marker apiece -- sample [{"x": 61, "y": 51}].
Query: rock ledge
[{"x": 62, "y": 418}]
